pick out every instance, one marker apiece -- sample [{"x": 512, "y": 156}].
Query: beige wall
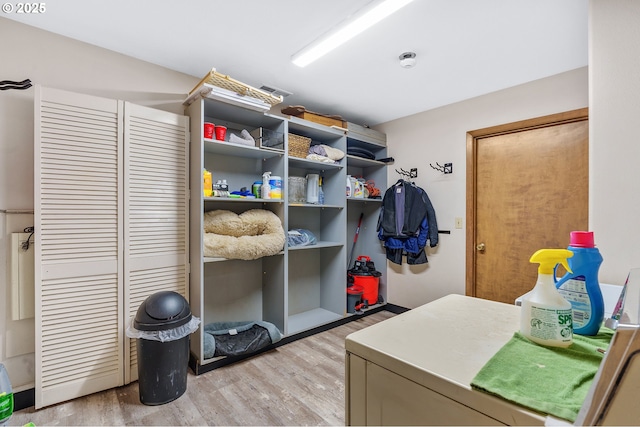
[
  {"x": 614, "y": 106},
  {"x": 59, "y": 62},
  {"x": 439, "y": 135},
  {"x": 611, "y": 90}
]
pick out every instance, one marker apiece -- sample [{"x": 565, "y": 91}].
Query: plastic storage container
[
  {"x": 6, "y": 396},
  {"x": 313, "y": 186},
  {"x": 163, "y": 352},
  {"x": 275, "y": 185},
  {"x": 297, "y": 189}
]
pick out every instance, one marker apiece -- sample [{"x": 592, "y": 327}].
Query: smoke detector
[{"x": 407, "y": 59}]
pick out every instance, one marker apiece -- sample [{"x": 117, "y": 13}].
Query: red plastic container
[
  {"x": 221, "y": 132},
  {"x": 208, "y": 130}
]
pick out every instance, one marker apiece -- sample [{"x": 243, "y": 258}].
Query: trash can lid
[{"x": 161, "y": 311}]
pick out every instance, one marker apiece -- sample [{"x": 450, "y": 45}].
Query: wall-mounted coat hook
[
  {"x": 413, "y": 173},
  {"x": 9, "y": 84},
  {"x": 447, "y": 168}
]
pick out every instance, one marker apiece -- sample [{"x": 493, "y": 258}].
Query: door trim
[{"x": 472, "y": 144}]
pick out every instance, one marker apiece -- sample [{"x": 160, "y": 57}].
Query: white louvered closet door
[
  {"x": 156, "y": 206},
  {"x": 78, "y": 171},
  {"x": 111, "y": 198}
]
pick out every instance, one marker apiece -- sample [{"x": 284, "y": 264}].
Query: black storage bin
[{"x": 162, "y": 366}]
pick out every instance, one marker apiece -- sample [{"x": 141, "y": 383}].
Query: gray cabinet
[{"x": 302, "y": 287}]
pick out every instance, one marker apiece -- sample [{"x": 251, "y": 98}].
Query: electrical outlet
[{"x": 458, "y": 222}]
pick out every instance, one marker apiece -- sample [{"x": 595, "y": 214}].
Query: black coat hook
[
  {"x": 9, "y": 84},
  {"x": 413, "y": 173},
  {"x": 446, "y": 169}
]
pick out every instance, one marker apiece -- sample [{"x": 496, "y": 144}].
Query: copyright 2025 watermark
[{"x": 25, "y": 8}]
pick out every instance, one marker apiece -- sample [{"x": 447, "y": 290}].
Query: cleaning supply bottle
[
  {"x": 275, "y": 187},
  {"x": 545, "y": 316},
  {"x": 208, "y": 183},
  {"x": 6, "y": 396},
  {"x": 265, "y": 190},
  {"x": 580, "y": 287},
  {"x": 320, "y": 192}
]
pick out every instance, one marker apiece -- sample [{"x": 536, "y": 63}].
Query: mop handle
[{"x": 355, "y": 239}]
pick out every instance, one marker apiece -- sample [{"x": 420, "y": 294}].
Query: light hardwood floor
[{"x": 300, "y": 383}]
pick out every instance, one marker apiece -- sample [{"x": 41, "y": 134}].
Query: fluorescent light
[{"x": 363, "y": 19}]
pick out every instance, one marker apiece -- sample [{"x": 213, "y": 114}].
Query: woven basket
[
  {"x": 223, "y": 81},
  {"x": 299, "y": 146}
]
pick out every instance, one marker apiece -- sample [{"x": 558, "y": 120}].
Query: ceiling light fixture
[{"x": 366, "y": 17}]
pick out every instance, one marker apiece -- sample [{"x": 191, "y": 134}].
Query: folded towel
[
  {"x": 319, "y": 158},
  {"x": 551, "y": 380},
  {"x": 245, "y": 138}
]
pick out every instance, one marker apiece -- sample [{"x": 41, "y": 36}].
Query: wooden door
[{"x": 527, "y": 189}]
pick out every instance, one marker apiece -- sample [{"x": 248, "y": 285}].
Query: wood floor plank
[{"x": 300, "y": 383}]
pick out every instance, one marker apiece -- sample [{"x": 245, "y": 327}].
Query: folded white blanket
[{"x": 333, "y": 153}]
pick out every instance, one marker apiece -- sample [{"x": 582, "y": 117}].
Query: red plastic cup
[
  {"x": 208, "y": 130},
  {"x": 221, "y": 132}
]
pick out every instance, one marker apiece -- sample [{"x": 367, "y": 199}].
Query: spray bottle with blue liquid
[{"x": 581, "y": 287}]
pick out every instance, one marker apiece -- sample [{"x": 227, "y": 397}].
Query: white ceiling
[{"x": 464, "y": 48}]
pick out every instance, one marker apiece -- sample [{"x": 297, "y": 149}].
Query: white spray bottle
[
  {"x": 546, "y": 317},
  {"x": 265, "y": 189}
]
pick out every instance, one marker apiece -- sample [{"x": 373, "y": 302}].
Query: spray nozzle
[
  {"x": 549, "y": 258},
  {"x": 266, "y": 176}
]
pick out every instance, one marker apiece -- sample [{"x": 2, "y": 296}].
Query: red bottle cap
[{"x": 582, "y": 239}]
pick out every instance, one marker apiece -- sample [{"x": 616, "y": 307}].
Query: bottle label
[
  {"x": 575, "y": 291},
  {"x": 551, "y": 324},
  {"x": 6, "y": 406}
]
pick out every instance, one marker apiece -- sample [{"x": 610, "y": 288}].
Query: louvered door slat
[
  {"x": 78, "y": 281},
  {"x": 156, "y": 206}
]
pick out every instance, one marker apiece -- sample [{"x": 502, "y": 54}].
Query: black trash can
[{"x": 162, "y": 366}]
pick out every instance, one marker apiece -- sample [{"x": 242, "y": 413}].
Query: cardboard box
[{"x": 323, "y": 120}]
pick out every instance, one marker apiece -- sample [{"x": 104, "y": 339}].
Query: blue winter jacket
[{"x": 407, "y": 220}]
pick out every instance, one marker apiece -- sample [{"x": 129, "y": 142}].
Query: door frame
[{"x": 472, "y": 145}]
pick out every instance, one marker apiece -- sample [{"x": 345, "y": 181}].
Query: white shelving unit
[{"x": 300, "y": 288}]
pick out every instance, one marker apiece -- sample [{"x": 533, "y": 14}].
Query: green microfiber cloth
[{"x": 551, "y": 380}]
